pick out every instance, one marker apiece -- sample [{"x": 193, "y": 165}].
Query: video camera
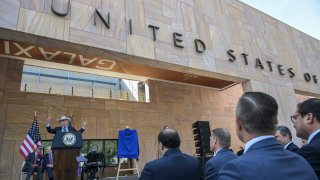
[{"x": 95, "y": 163}]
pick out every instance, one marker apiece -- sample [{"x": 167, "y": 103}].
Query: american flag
[{"x": 31, "y": 141}]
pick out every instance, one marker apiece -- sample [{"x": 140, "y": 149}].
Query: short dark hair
[
  {"x": 223, "y": 136},
  {"x": 169, "y": 138},
  {"x": 258, "y": 112},
  {"x": 311, "y": 105},
  {"x": 285, "y": 131}
]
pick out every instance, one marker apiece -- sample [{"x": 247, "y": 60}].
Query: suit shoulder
[
  {"x": 155, "y": 164},
  {"x": 309, "y": 149},
  {"x": 232, "y": 170}
]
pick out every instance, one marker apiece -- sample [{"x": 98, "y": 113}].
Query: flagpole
[
  {"x": 71, "y": 117},
  {"x": 34, "y": 120}
]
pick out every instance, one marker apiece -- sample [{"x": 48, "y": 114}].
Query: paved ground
[{"x": 122, "y": 178}]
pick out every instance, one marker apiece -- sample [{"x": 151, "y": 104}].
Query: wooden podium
[{"x": 66, "y": 147}]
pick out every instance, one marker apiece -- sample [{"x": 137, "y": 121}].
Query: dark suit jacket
[
  {"x": 46, "y": 159},
  {"x": 292, "y": 147},
  {"x": 30, "y": 160},
  {"x": 58, "y": 129},
  {"x": 215, "y": 163},
  {"x": 311, "y": 152},
  {"x": 267, "y": 159},
  {"x": 174, "y": 165}
]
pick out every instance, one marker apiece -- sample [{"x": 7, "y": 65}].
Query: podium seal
[{"x": 69, "y": 139}]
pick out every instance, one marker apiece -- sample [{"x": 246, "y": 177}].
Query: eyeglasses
[{"x": 294, "y": 117}]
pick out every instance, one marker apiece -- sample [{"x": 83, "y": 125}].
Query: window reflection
[{"x": 55, "y": 81}]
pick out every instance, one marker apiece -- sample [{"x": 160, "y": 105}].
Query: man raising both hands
[{"x": 64, "y": 122}]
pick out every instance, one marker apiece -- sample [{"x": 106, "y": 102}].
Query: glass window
[
  {"x": 80, "y": 83},
  {"x": 97, "y": 145},
  {"x": 54, "y": 81},
  {"x": 111, "y": 152},
  {"x": 45, "y": 144},
  {"x": 85, "y": 148}
]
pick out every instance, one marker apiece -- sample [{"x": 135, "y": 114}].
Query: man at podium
[
  {"x": 66, "y": 144},
  {"x": 64, "y": 122}
]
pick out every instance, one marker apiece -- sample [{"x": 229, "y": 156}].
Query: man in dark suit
[
  {"x": 283, "y": 135},
  {"x": 174, "y": 165},
  {"x": 220, "y": 141},
  {"x": 64, "y": 122},
  {"x": 307, "y": 123},
  {"x": 264, "y": 157},
  {"x": 48, "y": 162},
  {"x": 33, "y": 163}
]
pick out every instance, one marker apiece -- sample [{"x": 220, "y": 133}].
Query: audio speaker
[{"x": 201, "y": 132}]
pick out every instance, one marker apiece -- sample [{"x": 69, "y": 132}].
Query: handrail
[{"x": 105, "y": 93}]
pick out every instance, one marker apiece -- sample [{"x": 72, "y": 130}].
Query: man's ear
[
  {"x": 239, "y": 126},
  {"x": 161, "y": 146},
  {"x": 239, "y": 129},
  {"x": 309, "y": 119},
  {"x": 215, "y": 140}
]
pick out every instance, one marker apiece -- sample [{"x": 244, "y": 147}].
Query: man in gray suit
[{"x": 220, "y": 141}]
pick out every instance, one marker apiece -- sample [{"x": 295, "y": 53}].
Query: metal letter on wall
[
  {"x": 107, "y": 24},
  {"x": 58, "y": 13},
  {"x": 199, "y": 50}
]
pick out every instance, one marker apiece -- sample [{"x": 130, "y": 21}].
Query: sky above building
[{"x": 303, "y": 15}]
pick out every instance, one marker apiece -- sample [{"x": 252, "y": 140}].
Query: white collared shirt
[
  {"x": 255, "y": 140},
  {"x": 313, "y": 135},
  {"x": 285, "y": 147},
  {"x": 215, "y": 153}
]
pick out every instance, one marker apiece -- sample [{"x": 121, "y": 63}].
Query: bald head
[{"x": 169, "y": 138}]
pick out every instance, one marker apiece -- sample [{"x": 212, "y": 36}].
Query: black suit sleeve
[
  {"x": 52, "y": 131},
  {"x": 45, "y": 160},
  {"x": 29, "y": 160},
  {"x": 305, "y": 152},
  {"x": 308, "y": 153},
  {"x": 81, "y": 130}
]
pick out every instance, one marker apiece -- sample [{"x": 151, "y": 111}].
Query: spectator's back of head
[
  {"x": 169, "y": 138},
  {"x": 257, "y": 112},
  {"x": 283, "y": 135},
  {"x": 285, "y": 131},
  {"x": 223, "y": 136}
]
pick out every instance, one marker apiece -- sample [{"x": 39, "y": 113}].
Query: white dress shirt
[
  {"x": 313, "y": 135},
  {"x": 285, "y": 147}
]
